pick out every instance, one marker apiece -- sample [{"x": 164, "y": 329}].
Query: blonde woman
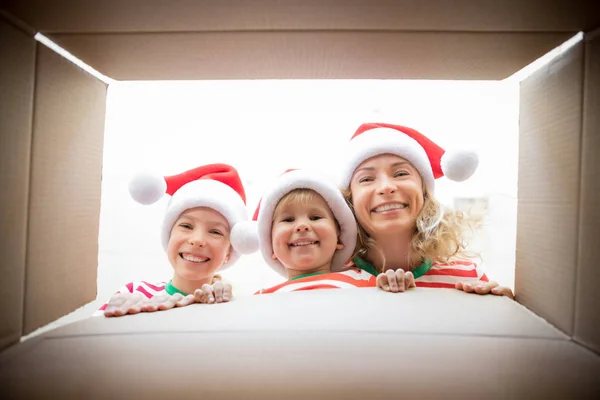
[{"x": 405, "y": 236}]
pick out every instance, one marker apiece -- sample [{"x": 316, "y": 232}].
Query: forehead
[
  {"x": 383, "y": 160},
  {"x": 205, "y": 214},
  {"x": 301, "y": 201}
]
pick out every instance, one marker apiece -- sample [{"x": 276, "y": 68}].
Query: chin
[{"x": 396, "y": 227}]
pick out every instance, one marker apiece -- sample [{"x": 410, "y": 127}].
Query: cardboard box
[{"x": 322, "y": 344}]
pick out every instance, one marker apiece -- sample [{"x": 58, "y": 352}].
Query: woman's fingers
[
  {"x": 503, "y": 291},
  {"x": 400, "y": 280},
  {"x": 409, "y": 280},
  {"x": 391, "y": 278},
  {"x": 382, "y": 282}
]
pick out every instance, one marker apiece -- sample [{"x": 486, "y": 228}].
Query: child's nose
[
  {"x": 302, "y": 227},
  {"x": 197, "y": 240}
]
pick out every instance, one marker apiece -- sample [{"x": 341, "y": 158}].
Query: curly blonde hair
[{"x": 440, "y": 234}]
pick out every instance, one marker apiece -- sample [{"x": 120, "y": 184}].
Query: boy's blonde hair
[
  {"x": 302, "y": 196},
  {"x": 440, "y": 234}
]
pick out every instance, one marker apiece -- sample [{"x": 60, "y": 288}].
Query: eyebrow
[
  {"x": 394, "y": 165},
  {"x": 209, "y": 221}
]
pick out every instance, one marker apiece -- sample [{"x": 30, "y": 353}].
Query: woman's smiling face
[{"x": 387, "y": 194}]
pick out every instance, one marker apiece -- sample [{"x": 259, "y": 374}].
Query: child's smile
[{"x": 193, "y": 258}]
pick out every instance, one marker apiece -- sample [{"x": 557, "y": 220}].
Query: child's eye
[
  {"x": 287, "y": 219},
  {"x": 316, "y": 218},
  {"x": 185, "y": 225},
  {"x": 216, "y": 232}
]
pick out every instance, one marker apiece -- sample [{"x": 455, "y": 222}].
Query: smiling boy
[{"x": 306, "y": 233}]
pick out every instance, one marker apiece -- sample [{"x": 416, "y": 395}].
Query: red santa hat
[
  {"x": 432, "y": 162},
  {"x": 216, "y": 186},
  {"x": 258, "y": 234}
]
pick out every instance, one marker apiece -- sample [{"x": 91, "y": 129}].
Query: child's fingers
[
  {"x": 199, "y": 296},
  {"x": 131, "y": 301},
  {"x": 170, "y": 302},
  {"x": 209, "y": 296},
  {"x": 382, "y": 282},
  {"x": 186, "y": 301},
  {"x": 227, "y": 292},
  {"x": 218, "y": 291},
  {"x": 391, "y": 277}
]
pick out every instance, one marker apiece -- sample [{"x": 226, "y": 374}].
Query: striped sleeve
[{"x": 447, "y": 275}]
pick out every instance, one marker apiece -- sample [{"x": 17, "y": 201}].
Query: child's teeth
[
  {"x": 303, "y": 243},
  {"x": 191, "y": 258}
]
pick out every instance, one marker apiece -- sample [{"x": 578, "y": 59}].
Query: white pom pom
[
  {"x": 244, "y": 237},
  {"x": 147, "y": 188},
  {"x": 459, "y": 165}
]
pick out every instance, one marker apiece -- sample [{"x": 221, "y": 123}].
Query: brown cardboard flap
[
  {"x": 587, "y": 312},
  {"x": 68, "y": 131},
  {"x": 548, "y": 189},
  {"x": 110, "y": 16},
  {"x": 309, "y": 55},
  {"x": 352, "y": 343},
  {"x": 17, "y": 51}
]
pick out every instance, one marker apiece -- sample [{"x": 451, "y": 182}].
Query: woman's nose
[{"x": 385, "y": 185}]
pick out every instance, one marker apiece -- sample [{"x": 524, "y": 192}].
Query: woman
[{"x": 405, "y": 237}]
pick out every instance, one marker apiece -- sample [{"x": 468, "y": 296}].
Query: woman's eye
[
  {"x": 365, "y": 179},
  {"x": 401, "y": 173}
]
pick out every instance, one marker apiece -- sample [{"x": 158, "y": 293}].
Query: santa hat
[
  {"x": 260, "y": 232},
  {"x": 216, "y": 186},
  {"x": 428, "y": 158}
]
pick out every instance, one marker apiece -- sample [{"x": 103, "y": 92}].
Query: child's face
[
  {"x": 199, "y": 243},
  {"x": 304, "y": 235}
]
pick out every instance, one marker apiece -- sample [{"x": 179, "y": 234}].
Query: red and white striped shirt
[
  {"x": 437, "y": 275},
  {"x": 352, "y": 278}
]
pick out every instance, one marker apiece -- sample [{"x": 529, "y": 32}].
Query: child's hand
[
  {"x": 125, "y": 303},
  {"x": 485, "y": 288},
  {"x": 395, "y": 281},
  {"x": 218, "y": 292},
  {"x": 165, "y": 301}
]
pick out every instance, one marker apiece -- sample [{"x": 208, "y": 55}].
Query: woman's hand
[
  {"x": 218, "y": 292},
  {"x": 485, "y": 288},
  {"x": 395, "y": 281}
]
